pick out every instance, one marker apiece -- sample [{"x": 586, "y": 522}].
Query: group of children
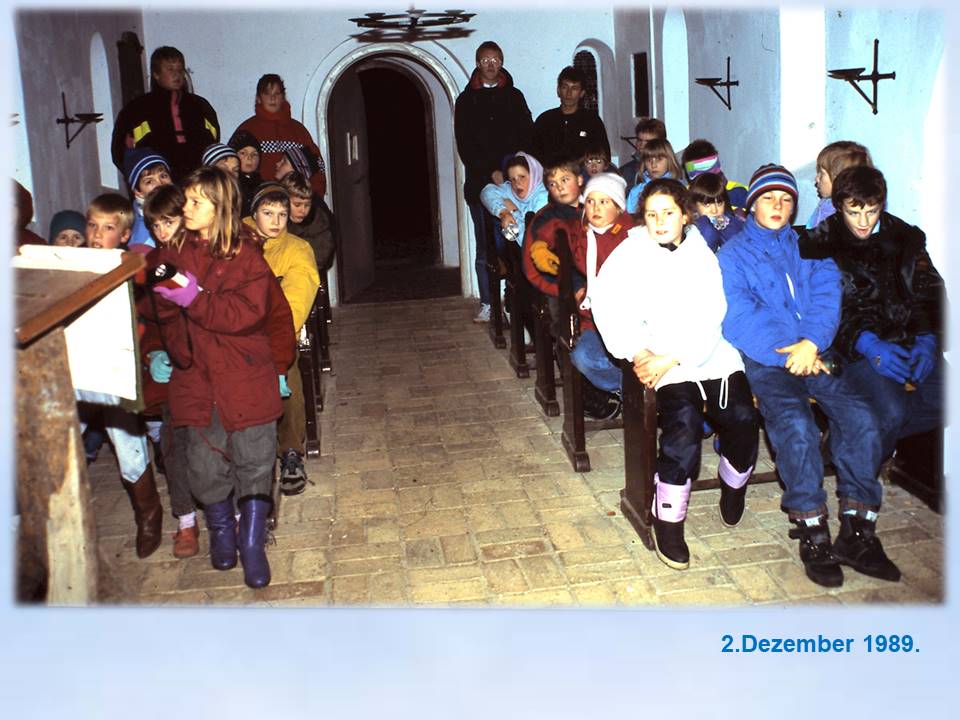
[
  {"x": 716, "y": 299},
  {"x": 222, "y": 390}
]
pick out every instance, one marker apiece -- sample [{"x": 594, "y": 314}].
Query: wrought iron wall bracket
[
  {"x": 83, "y": 118},
  {"x": 855, "y": 76},
  {"x": 714, "y": 82}
]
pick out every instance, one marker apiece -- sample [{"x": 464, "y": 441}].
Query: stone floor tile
[{"x": 458, "y": 549}]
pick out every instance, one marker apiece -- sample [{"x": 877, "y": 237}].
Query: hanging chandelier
[{"x": 413, "y": 24}]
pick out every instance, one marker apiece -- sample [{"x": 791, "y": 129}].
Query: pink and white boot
[
  {"x": 669, "y": 512},
  {"x": 733, "y": 491}
]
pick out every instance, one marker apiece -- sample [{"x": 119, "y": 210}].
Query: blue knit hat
[
  {"x": 66, "y": 220},
  {"x": 138, "y": 159},
  {"x": 771, "y": 177},
  {"x": 217, "y": 152}
]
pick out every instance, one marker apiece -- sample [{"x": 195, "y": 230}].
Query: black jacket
[
  {"x": 569, "y": 135},
  {"x": 489, "y": 124},
  {"x": 890, "y": 286},
  {"x": 149, "y": 122}
]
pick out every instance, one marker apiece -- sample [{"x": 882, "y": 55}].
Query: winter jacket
[
  {"x": 555, "y": 134},
  {"x": 139, "y": 233},
  {"x": 248, "y": 182},
  {"x": 219, "y": 345},
  {"x": 633, "y": 197},
  {"x": 546, "y": 222},
  {"x": 278, "y": 131},
  {"x": 317, "y": 230},
  {"x": 292, "y": 261},
  {"x": 492, "y": 196},
  {"x": 148, "y": 121},
  {"x": 606, "y": 243},
  {"x": 890, "y": 286},
  {"x": 820, "y": 213},
  {"x": 775, "y": 298},
  {"x": 716, "y": 232},
  {"x": 489, "y": 124},
  {"x": 631, "y": 170},
  {"x": 640, "y": 302}
]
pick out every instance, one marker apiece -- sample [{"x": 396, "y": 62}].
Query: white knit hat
[{"x": 610, "y": 184}]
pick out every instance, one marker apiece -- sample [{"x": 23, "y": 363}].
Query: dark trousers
[
  {"x": 173, "y": 442},
  {"x": 680, "y": 413}
]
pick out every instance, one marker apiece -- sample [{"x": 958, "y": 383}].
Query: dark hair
[
  {"x": 517, "y": 161},
  {"x": 665, "y": 186},
  {"x": 295, "y": 184},
  {"x": 162, "y": 54},
  {"x": 267, "y": 80},
  {"x": 861, "y": 185},
  {"x": 697, "y": 149},
  {"x": 595, "y": 148},
  {"x": 651, "y": 125},
  {"x": 488, "y": 45},
  {"x": 574, "y": 75},
  {"x": 708, "y": 187},
  {"x": 163, "y": 201}
]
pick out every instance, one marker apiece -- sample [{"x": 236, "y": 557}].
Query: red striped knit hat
[{"x": 771, "y": 177}]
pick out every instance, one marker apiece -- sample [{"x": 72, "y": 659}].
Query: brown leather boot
[{"x": 147, "y": 512}]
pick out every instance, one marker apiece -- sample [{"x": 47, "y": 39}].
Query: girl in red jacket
[{"x": 224, "y": 388}]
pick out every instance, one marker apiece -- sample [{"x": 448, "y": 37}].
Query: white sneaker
[{"x": 484, "y": 314}]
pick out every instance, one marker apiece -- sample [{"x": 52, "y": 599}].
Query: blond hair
[
  {"x": 113, "y": 204},
  {"x": 221, "y": 189}
]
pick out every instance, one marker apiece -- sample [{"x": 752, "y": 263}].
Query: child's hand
[
  {"x": 651, "y": 368},
  {"x": 544, "y": 260},
  {"x": 180, "y": 296},
  {"x": 497, "y": 177},
  {"x": 160, "y": 367},
  {"x": 802, "y": 357},
  {"x": 509, "y": 206}
]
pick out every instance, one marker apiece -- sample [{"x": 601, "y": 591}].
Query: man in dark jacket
[
  {"x": 170, "y": 119},
  {"x": 491, "y": 121},
  {"x": 569, "y": 130}
]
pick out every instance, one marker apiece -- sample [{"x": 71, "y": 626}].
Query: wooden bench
[
  {"x": 324, "y": 319},
  {"x": 544, "y": 343}
]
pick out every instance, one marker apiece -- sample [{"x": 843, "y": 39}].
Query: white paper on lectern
[{"x": 101, "y": 343}]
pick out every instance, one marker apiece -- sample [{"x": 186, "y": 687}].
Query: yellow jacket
[{"x": 293, "y": 262}]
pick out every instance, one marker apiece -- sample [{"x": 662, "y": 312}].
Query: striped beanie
[
  {"x": 265, "y": 189},
  {"x": 217, "y": 152},
  {"x": 303, "y": 161},
  {"x": 771, "y": 177},
  {"x": 136, "y": 160}
]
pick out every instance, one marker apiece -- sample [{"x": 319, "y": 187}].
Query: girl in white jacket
[{"x": 658, "y": 301}]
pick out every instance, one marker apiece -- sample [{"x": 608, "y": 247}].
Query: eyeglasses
[{"x": 491, "y": 61}]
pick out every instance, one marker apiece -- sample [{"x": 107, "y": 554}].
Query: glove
[
  {"x": 284, "y": 390},
  {"x": 181, "y": 296},
  {"x": 888, "y": 359},
  {"x": 923, "y": 356},
  {"x": 160, "y": 367},
  {"x": 544, "y": 260}
]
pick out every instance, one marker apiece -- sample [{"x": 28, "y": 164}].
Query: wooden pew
[
  {"x": 309, "y": 362},
  {"x": 917, "y": 467},
  {"x": 494, "y": 275},
  {"x": 543, "y": 342},
  {"x": 324, "y": 319}
]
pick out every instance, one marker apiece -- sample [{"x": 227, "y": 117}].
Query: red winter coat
[
  {"x": 606, "y": 243},
  {"x": 277, "y": 132},
  {"x": 221, "y": 340}
]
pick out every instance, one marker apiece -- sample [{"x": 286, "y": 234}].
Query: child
[
  {"x": 248, "y": 150},
  {"x": 540, "y": 261},
  {"x": 782, "y": 312},
  {"x": 67, "y": 229},
  {"x": 832, "y": 160},
  {"x": 309, "y": 219},
  {"x": 647, "y": 129},
  {"x": 109, "y": 219},
  {"x": 522, "y": 192},
  {"x": 659, "y": 161},
  {"x": 292, "y": 260},
  {"x": 673, "y": 336},
  {"x": 223, "y": 157},
  {"x": 891, "y": 324},
  {"x": 144, "y": 170},
  {"x": 700, "y": 157},
  {"x": 714, "y": 219},
  {"x": 223, "y": 389},
  {"x": 595, "y": 160}
]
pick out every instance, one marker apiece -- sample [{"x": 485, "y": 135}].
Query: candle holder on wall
[
  {"x": 855, "y": 75},
  {"x": 714, "y": 82},
  {"x": 412, "y": 25},
  {"x": 83, "y": 118}
]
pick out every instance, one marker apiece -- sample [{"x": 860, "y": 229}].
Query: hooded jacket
[{"x": 490, "y": 124}]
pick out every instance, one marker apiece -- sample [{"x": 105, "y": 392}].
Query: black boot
[
  {"x": 599, "y": 404},
  {"x": 819, "y": 562},
  {"x": 669, "y": 513},
  {"x": 222, "y": 524},
  {"x": 858, "y": 546}
]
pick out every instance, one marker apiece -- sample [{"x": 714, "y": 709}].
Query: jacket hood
[
  {"x": 282, "y": 114},
  {"x": 504, "y": 80}
]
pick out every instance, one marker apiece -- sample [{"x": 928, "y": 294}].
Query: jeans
[
  {"x": 899, "y": 413},
  {"x": 591, "y": 358},
  {"x": 855, "y": 438},
  {"x": 478, "y": 215},
  {"x": 680, "y": 414}
]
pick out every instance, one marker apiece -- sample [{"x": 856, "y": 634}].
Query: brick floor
[{"x": 440, "y": 483}]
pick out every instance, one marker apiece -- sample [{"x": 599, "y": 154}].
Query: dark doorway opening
[{"x": 403, "y": 192}]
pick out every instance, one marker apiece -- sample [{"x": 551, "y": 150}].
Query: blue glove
[
  {"x": 160, "y": 367},
  {"x": 284, "y": 390},
  {"x": 887, "y": 358},
  {"x": 923, "y": 357}
]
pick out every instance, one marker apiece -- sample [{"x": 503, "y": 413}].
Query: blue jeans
[
  {"x": 899, "y": 413},
  {"x": 478, "y": 215},
  {"x": 855, "y": 439},
  {"x": 591, "y": 358}
]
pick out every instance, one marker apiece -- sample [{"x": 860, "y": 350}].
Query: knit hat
[
  {"x": 699, "y": 166},
  {"x": 610, "y": 184},
  {"x": 243, "y": 138},
  {"x": 266, "y": 189},
  {"x": 136, "y": 160},
  {"x": 303, "y": 161},
  {"x": 217, "y": 152},
  {"x": 66, "y": 220},
  {"x": 771, "y": 177}
]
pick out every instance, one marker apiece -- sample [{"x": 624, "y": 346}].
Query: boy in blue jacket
[{"x": 782, "y": 312}]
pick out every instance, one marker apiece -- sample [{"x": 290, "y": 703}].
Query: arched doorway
[{"x": 382, "y": 129}]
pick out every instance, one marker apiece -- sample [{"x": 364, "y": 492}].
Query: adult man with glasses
[{"x": 491, "y": 122}]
